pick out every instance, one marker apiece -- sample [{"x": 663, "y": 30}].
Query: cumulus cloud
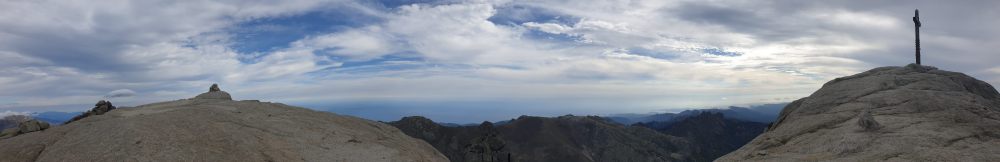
[
  {"x": 120, "y": 93},
  {"x": 645, "y": 55}
]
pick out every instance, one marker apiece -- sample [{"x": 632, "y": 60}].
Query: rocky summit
[
  {"x": 215, "y": 93},
  {"x": 911, "y": 113},
  {"x": 211, "y": 129}
]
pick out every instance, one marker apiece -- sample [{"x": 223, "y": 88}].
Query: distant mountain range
[
  {"x": 53, "y": 118},
  {"x": 700, "y": 137},
  {"x": 765, "y": 113}
]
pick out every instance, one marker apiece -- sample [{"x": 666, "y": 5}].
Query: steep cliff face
[
  {"x": 566, "y": 138},
  {"x": 218, "y": 129},
  {"x": 912, "y": 113}
]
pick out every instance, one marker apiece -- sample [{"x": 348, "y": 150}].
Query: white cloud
[
  {"x": 6, "y": 113},
  {"x": 120, "y": 93},
  {"x": 641, "y": 55},
  {"x": 360, "y": 44}
]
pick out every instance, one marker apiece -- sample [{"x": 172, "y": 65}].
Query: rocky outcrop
[
  {"x": 218, "y": 130},
  {"x": 12, "y": 121},
  {"x": 99, "y": 109},
  {"x": 565, "y": 138},
  {"x": 916, "y": 113},
  {"x": 24, "y": 127},
  {"x": 214, "y": 93}
]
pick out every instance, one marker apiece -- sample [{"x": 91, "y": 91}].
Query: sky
[{"x": 468, "y": 61}]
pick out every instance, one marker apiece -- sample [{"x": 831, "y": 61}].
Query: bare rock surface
[
  {"x": 218, "y": 130},
  {"x": 917, "y": 113}
]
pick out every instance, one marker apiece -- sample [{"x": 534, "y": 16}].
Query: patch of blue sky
[
  {"x": 551, "y": 37},
  {"x": 721, "y": 52},
  {"x": 652, "y": 53},
  {"x": 269, "y": 34},
  {"x": 393, "y": 58},
  {"x": 393, "y": 62},
  {"x": 515, "y": 15},
  {"x": 392, "y": 4}
]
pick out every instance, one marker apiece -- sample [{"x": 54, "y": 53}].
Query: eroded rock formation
[
  {"x": 24, "y": 127},
  {"x": 99, "y": 109}
]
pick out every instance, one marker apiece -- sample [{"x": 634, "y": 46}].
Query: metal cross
[{"x": 916, "y": 21}]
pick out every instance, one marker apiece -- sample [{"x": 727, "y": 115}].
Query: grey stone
[{"x": 922, "y": 114}]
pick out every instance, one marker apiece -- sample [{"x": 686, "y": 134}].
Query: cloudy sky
[{"x": 467, "y": 61}]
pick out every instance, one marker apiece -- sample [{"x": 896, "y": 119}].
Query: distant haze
[{"x": 472, "y": 60}]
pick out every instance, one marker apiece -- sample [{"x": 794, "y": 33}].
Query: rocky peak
[
  {"x": 214, "y": 88},
  {"x": 214, "y": 93},
  {"x": 99, "y": 109},
  {"x": 911, "y": 113}
]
